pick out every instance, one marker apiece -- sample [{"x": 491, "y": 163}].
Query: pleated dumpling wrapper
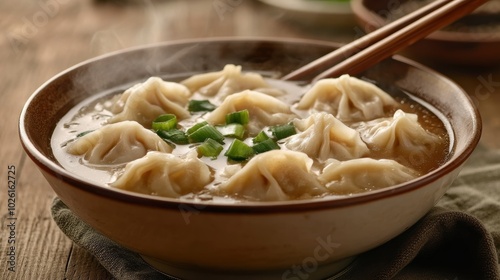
[
  {"x": 117, "y": 143},
  {"x": 322, "y": 136},
  {"x": 364, "y": 174},
  {"x": 230, "y": 80},
  {"x": 145, "y": 101},
  {"x": 276, "y": 175},
  {"x": 165, "y": 175},
  {"x": 347, "y": 98}
]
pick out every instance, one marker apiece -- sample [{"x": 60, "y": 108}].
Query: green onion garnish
[
  {"x": 260, "y": 137},
  {"x": 241, "y": 117},
  {"x": 210, "y": 148},
  {"x": 83, "y": 133},
  {"x": 265, "y": 146},
  {"x": 283, "y": 131},
  {"x": 204, "y": 132},
  {"x": 164, "y": 122},
  {"x": 196, "y": 127},
  {"x": 200, "y": 106},
  {"x": 234, "y": 130},
  {"x": 174, "y": 135},
  {"x": 239, "y": 151}
]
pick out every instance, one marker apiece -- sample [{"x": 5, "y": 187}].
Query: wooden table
[{"x": 41, "y": 38}]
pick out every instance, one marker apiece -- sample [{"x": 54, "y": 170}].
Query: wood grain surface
[{"x": 41, "y": 38}]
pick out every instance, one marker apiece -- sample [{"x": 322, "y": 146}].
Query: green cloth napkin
[{"x": 458, "y": 239}]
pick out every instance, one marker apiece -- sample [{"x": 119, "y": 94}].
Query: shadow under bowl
[{"x": 247, "y": 238}]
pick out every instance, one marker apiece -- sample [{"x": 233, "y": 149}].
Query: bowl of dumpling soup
[{"x": 196, "y": 156}]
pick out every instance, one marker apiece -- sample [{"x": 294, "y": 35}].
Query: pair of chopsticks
[{"x": 374, "y": 47}]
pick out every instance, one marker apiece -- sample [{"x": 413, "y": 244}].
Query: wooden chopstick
[
  {"x": 325, "y": 62},
  {"x": 374, "y": 47}
]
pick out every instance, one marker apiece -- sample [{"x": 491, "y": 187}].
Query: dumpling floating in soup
[
  {"x": 228, "y": 81},
  {"x": 145, "y": 101},
  {"x": 164, "y": 174},
  {"x": 264, "y": 110},
  {"x": 401, "y": 136},
  {"x": 274, "y": 176},
  {"x": 364, "y": 174},
  {"x": 347, "y": 98},
  {"x": 117, "y": 143},
  {"x": 322, "y": 136}
]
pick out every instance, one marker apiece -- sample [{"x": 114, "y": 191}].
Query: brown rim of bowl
[
  {"x": 58, "y": 171},
  {"x": 376, "y": 21}
]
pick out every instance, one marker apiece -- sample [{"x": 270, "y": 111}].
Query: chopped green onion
[
  {"x": 210, "y": 148},
  {"x": 234, "y": 130},
  {"x": 283, "y": 131},
  {"x": 83, "y": 133},
  {"x": 174, "y": 135},
  {"x": 241, "y": 117},
  {"x": 265, "y": 146},
  {"x": 196, "y": 127},
  {"x": 165, "y": 122},
  {"x": 200, "y": 106},
  {"x": 239, "y": 151},
  {"x": 260, "y": 137},
  {"x": 204, "y": 132}
]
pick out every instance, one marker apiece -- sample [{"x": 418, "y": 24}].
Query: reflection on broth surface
[{"x": 250, "y": 138}]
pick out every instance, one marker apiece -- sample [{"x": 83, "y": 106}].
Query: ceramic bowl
[
  {"x": 472, "y": 41},
  {"x": 266, "y": 239}
]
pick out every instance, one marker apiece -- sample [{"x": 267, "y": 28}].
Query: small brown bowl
[
  {"x": 260, "y": 240},
  {"x": 463, "y": 43}
]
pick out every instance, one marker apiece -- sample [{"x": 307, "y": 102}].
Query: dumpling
[
  {"x": 165, "y": 175},
  {"x": 364, "y": 174},
  {"x": 264, "y": 110},
  {"x": 347, "y": 98},
  {"x": 144, "y": 102},
  {"x": 118, "y": 143},
  {"x": 228, "y": 81},
  {"x": 401, "y": 130},
  {"x": 401, "y": 135},
  {"x": 322, "y": 136},
  {"x": 274, "y": 176}
]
